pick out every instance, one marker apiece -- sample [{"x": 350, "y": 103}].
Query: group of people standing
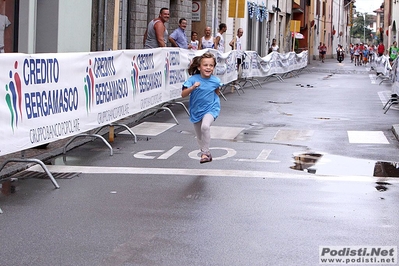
[{"x": 157, "y": 35}]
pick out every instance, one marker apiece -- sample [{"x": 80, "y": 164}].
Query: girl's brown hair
[{"x": 193, "y": 68}]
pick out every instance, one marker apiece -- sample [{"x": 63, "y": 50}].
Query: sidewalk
[{"x": 54, "y": 149}]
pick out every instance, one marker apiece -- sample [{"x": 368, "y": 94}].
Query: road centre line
[{"x": 204, "y": 172}]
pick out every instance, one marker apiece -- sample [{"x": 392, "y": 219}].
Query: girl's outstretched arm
[{"x": 186, "y": 91}]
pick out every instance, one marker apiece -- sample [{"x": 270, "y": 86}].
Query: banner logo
[
  {"x": 89, "y": 86},
  {"x": 134, "y": 76},
  {"x": 14, "y": 97}
]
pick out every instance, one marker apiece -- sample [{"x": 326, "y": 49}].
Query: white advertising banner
[
  {"x": 47, "y": 97},
  {"x": 273, "y": 63},
  {"x": 381, "y": 65}
]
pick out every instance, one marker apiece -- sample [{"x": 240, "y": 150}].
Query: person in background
[
  {"x": 156, "y": 34},
  {"x": 371, "y": 53},
  {"x": 352, "y": 51},
  {"x": 274, "y": 47},
  {"x": 235, "y": 43},
  {"x": 194, "y": 42},
  {"x": 381, "y": 49},
  {"x": 393, "y": 52},
  {"x": 4, "y": 23},
  {"x": 366, "y": 52},
  {"x": 204, "y": 89},
  {"x": 178, "y": 37},
  {"x": 219, "y": 40},
  {"x": 320, "y": 50},
  {"x": 340, "y": 52},
  {"x": 361, "y": 49},
  {"x": 356, "y": 53},
  {"x": 323, "y": 52},
  {"x": 207, "y": 42}
]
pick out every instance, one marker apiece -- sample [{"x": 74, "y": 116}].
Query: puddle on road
[{"x": 327, "y": 164}]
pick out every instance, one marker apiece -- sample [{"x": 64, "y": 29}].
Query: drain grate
[{"x": 43, "y": 175}]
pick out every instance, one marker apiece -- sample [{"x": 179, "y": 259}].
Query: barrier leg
[
  {"x": 170, "y": 111},
  {"x": 179, "y": 103},
  {"x": 278, "y": 77},
  {"x": 248, "y": 81},
  {"x": 88, "y": 135},
  {"x": 33, "y": 161},
  {"x": 121, "y": 125},
  {"x": 389, "y": 106},
  {"x": 394, "y": 97},
  {"x": 127, "y": 128},
  {"x": 260, "y": 85},
  {"x": 237, "y": 87}
]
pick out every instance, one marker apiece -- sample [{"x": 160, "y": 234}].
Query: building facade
[{"x": 98, "y": 25}]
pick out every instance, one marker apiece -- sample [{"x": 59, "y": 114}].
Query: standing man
[
  {"x": 178, "y": 37},
  {"x": 219, "y": 40},
  {"x": 4, "y": 23},
  {"x": 156, "y": 34},
  {"x": 235, "y": 43},
  {"x": 207, "y": 40}
]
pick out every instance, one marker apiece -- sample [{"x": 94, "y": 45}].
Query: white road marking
[
  {"x": 229, "y": 153},
  {"x": 204, "y": 172},
  {"x": 262, "y": 158},
  {"x": 149, "y": 128},
  {"x": 143, "y": 154},
  {"x": 169, "y": 153},
  {"x": 367, "y": 137},
  {"x": 164, "y": 156}
]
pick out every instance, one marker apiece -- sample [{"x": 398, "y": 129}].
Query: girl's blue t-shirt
[{"x": 203, "y": 99}]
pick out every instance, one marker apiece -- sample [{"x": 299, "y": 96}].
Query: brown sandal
[{"x": 206, "y": 158}]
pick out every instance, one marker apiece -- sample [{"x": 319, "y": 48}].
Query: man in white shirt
[
  {"x": 219, "y": 40},
  {"x": 4, "y": 23},
  {"x": 235, "y": 43},
  {"x": 207, "y": 41}
]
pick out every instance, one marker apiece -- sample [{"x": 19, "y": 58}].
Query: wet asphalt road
[{"x": 152, "y": 203}]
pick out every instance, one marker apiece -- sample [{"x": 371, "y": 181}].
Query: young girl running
[{"x": 203, "y": 88}]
